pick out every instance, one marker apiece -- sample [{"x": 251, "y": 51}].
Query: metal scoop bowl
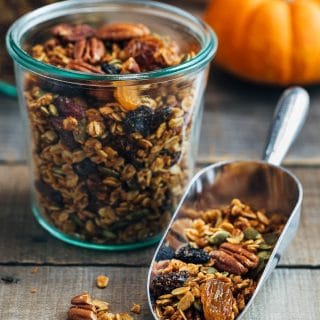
[{"x": 261, "y": 184}]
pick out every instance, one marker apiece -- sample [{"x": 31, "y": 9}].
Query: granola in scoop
[{"x": 216, "y": 273}]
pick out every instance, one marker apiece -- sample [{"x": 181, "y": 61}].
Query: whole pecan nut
[
  {"x": 83, "y": 298},
  {"x": 234, "y": 259},
  {"x": 122, "y": 31}
]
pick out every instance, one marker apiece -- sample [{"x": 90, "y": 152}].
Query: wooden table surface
[{"x": 236, "y": 121}]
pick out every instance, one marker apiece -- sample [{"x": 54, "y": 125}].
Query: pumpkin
[{"x": 268, "y": 41}]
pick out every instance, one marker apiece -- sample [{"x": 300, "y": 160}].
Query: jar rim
[{"x": 200, "y": 60}]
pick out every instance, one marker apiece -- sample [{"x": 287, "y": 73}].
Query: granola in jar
[
  {"x": 111, "y": 161},
  {"x": 214, "y": 275}
]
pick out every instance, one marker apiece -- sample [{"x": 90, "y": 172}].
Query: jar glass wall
[{"x": 111, "y": 177}]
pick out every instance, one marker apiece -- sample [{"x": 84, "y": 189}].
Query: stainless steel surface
[
  {"x": 260, "y": 184},
  {"x": 290, "y": 115}
]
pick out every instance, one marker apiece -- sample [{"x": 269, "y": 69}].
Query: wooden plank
[
  {"x": 22, "y": 240},
  {"x": 288, "y": 294},
  {"x": 235, "y": 124}
]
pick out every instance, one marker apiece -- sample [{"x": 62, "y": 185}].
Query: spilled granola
[
  {"x": 86, "y": 308},
  {"x": 110, "y": 160},
  {"x": 216, "y": 273}
]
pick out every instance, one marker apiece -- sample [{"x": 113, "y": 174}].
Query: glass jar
[{"x": 113, "y": 181}]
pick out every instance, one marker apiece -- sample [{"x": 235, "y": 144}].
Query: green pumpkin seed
[
  {"x": 212, "y": 270},
  {"x": 109, "y": 172},
  {"x": 198, "y": 306},
  {"x": 270, "y": 238},
  {"x": 53, "y": 110},
  {"x": 219, "y": 237},
  {"x": 77, "y": 221},
  {"x": 264, "y": 255},
  {"x": 108, "y": 234},
  {"x": 265, "y": 246},
  {"x": 80, "y": 133},
  {"x": 251, "y": 234},
  {"x": 259, "y": 268}
]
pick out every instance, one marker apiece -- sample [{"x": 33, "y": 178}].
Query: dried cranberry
[
  {"x": 161, "y": 115},
  {"x": 192, "y": 255},
  {"x": 50, "y": 193},
  {"x": 109, "y": 68},
  {"x": 139, "y": 120},
  {"x": 85, "y": 167},
  {"x": 144, "y": 120},
  {"x": 163, "y": 284},
  {"x": 66, "y": 137},
  {"x": 68, "y": 107}
]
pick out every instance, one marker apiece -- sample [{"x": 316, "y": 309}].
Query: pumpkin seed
[
  {"x": 270, "y": 238},
  {"x": 53, "y": 110},
  {"x": 76, "y": 220},
  {"x": 80, "y": 133},
  {"x": 212, "y": 270},
  {"x": 108, "y": 234},
  {"x": 45, "y": 111},
  {"x": 251, "y": 234},
  {"x": 219, "y": 237},
  {"x": 197, "y": 305},
  {"x": 265, "y": 246},
  {"x": 264, "y": 255},
  {"x": 109, "y": 172}
]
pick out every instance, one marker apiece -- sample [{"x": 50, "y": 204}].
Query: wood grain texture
[
  {"x": 286, "y": 295},
  {"x": 22, "y": 240},
  {"x": 236, "y": 120}
]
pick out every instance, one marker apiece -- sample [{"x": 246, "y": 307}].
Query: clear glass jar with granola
[{"x": 113, "y": 108}]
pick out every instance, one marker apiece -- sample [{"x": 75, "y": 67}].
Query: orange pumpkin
[{"x": 268, "y": 41}]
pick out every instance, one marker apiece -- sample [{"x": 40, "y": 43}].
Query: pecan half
[
  {"x": 234, "y": 258},
  {"x": 91, "y": 50},
  {"x": 73, "y": 33},
  {"x": 249, "y": 259},
  {"x": 83, "y": 298},
  {"x": 77, "y": 313},
  {"x": 82, "y": 66},
  {"x": 226, "y": 262},
  {"x": 122, "y": 31}
]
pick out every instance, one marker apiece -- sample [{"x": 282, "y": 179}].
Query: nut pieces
[
  {"x": 186, "y": 286},
  {"x": 85, "y": 308}
]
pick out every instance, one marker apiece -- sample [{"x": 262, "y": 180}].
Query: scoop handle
[{"x": 289, "y": 117}]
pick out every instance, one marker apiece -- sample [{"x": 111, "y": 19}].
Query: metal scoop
[{"x": 261, "y": 184}]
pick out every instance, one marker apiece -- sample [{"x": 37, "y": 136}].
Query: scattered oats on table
[{"x": 216, "y": 273}]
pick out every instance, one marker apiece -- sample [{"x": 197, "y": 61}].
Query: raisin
[
  {"x": 160, "y": 116},
  {"x": 139, "y": 120},
  {"x": 144, "y": 120},
  {"x": 165, "y": 253},
  {"x": 66, "y": 137},
  {"x": 68, "y": 107},
  {"x": 163, "y": 284},
  {"x": 192, "y": 255},
  {"x": 50, "y": 193},
  {"x": 109, "y": 68},
  {"x": 85, "y": 167}
]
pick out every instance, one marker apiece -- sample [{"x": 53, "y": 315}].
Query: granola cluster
[
  {"x": 216, "y": 273},
  {"x": 85, "y": 308},
  {"x": 110, "y": 160}
]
